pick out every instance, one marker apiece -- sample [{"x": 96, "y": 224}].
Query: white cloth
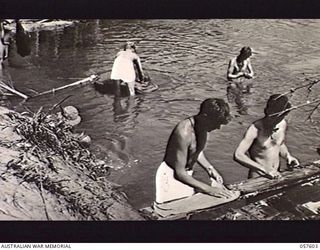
[
  {"x": 168, "y": 188},
  {"x": 123, "y": 67}
]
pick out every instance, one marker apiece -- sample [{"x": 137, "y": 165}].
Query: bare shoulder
[
  {"x": 283, "y": 124},
  {"x": 254, "y": 127},
  {"x": 247, "y": 62},
  {"x": 232, "y": 61},
  {"x": 257, "y": 124},
  {"x": 183, "y": 128}
]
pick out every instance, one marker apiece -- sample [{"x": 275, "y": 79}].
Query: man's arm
[
  {"x": 1, "y": 30},
  {"x": 179, "y": 153},
  {"x": 178, "y": 160},
  {"x": 241, "y": 156},
  {"x": 212, "y": 172},
  {"x": 139, "y": 67},
  {"x": 284, "y": 153},
  {"x": 231, "y": 67},
  {"x": 249, "y": 67}
]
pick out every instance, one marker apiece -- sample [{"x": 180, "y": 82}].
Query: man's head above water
[
  {"x": 276, "y": 104},
  {"x": 245, "y": 53},
  {"x": 129, "y": 45},
  {"x": 216, "y": 111}
]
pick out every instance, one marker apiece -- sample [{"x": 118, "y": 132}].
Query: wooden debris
[
  {"x": 288, "y": 178},
  {"x": 5, "y": 86},
  {"x": 89, "y": 79}
]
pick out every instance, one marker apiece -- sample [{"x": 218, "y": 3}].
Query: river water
[{"x": 188, "y": 60}]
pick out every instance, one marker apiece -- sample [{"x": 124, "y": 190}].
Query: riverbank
[
  {"x": 32, "y": 25},
  {"x": 47, "y": 174}
]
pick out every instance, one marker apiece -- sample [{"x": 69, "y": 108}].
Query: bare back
[{"x": 184, "y": 145}]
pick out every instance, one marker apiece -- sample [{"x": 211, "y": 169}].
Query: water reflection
[{"x": 235, "y": 95}]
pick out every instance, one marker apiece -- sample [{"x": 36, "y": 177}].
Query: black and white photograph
[{"x": 160, "y": 119}]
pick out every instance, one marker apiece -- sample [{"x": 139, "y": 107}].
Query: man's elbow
[
  {"x": 238, "y": 156},
  {"x": 179, "y": 175}
]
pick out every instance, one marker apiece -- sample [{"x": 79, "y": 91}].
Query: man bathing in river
[
  {"x": 4, "y": 42},
  {"x": 264, "y": 141},
  {"x": 127, "y": 68},
  {"x": 185, "y": 147},
  {"x": 240, "y": 68}
]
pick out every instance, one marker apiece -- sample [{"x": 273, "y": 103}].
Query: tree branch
[
  {"x": 292, "y": 90},
  {"x": 296, "y": 107},
  {"x": 312, "y": 111}
]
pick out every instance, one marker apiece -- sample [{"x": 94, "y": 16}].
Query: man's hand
[
  {"x": 273, "y": 174},
  {"x": 247, "y": 75},
  {"x": 215, "y": 175},
  {"x": 219, "y": 192},
  {"x": 292, "y": 162}
]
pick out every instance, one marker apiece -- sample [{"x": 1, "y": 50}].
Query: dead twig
[
  {"x": 296, "y": 107},
  {"x": 292, "y": 90},
  {"x": 312, "y": 112}
]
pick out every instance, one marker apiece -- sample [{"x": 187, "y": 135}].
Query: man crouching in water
[
  {"x": 185, "y": 147},
  {"x": 264, "y": 140},
  {"x": 124, "y": 68}
]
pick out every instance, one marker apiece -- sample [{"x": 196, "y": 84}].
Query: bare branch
[
  {"x": 292, "y": 90},
  {"x": 296, "y": 107},
  {"x": 312, "y": 111}
]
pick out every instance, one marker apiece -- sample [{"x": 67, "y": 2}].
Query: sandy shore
[{"x": 41, "y": 184}]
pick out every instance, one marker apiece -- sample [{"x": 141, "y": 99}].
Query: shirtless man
[
  {"x": 264, "y": 141},
  {"x": 240, "y": 68},
  {"x": 124, "y": 66},
  {"x": 185, "y": 147},
  {"x": 4, "y": 43}
]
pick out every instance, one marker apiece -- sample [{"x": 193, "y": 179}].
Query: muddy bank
[{"x": 50, "y": 175}]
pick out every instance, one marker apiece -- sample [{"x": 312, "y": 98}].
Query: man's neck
[
  {"x": 201, "y": 123},
  {"x": 270, "y": 123}
]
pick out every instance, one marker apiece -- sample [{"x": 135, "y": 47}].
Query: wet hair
[
  {"x": 276, "y": 104},
  {"x": 216, "y": 108},
  {"x": 246, "y": 51}
]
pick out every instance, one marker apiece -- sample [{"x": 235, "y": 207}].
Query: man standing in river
[
  {"x": 240, "y": 68},
  {"x": 185, "y": 147},
  {"x": 127, "y": 68},
  {"x": 264, "y": 141},
  {"x": 4, "y": 42}
]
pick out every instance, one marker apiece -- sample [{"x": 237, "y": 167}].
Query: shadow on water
[{"x": 112, "y": 88}]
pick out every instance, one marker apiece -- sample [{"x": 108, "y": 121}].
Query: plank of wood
[
  {"x": 299, "y": 202},
  {"x": 288, "y": 178}
]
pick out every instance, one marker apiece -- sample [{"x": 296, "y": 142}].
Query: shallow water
[{"x": 188, "y": 60}]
